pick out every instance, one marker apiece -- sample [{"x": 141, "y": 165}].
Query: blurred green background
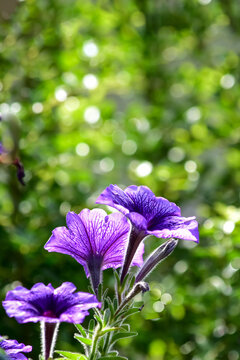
[{"x": 126, "y": 92}]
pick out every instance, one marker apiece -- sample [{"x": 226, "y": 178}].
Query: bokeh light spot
[
  {"x": 82, "y": 149},
  {"x": 92, "y": 114},
  {"x": 90, "y": 49},
  {"x": 227, "y": 81},
  {"x": 193, "y": 114},
  {"x": 90, "y": 82},
  {"x": 176, "y": 154},
  {"x": 190, "y": 166},
  {"x": 129, "y": 147},
  {"x": 60, "y": 94},
  {"x": 144, "y": 169},
  {"x": 37, "y": 108},
  {"x": 106, "y": 165}
]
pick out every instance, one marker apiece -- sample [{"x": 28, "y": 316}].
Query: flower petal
[
  {"x": 138, "y": 221},
  {"x": 62, "y": 241},
  {"x": 13, "y": 349},
  {"x": 176, "y": 227},
  {"x": 116, "y": 197}
]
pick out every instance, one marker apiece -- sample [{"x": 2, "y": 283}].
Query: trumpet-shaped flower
[
  {"x": 13, "y": 349},
  {"x": 49, "y": 306},
  {"x": 96, "y": 240},
  {"x": 149, "y": 215},
  {"x": 44, "y": 303}
]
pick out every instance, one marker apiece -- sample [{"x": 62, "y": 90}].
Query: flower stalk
[{"x": 49, "y": 336}]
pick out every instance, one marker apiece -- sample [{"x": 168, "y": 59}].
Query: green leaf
[
  {"x": 110, "y": 306},
  {"x": 101, "y": 344},
  {"x": 130, "y": 312},
  {"x": 131, "y": 282},
  {"x": 112, "y": 358},
  {"x": 112, "y": 353},
  {"x": 81, "y": 329},
  {"x": 117, "y": 278},
  {"x": 98, "y": 319},
  {"x": 91, "y": 325},
  {"x": 105, "y": 294},
  {"x": 83, "y": 340},
  {"x": 115, "y": 304},
  {"x": 71, "y": 355},
  {"x": 106, "y": 330},
  {"x": 107, "y": 315},
  {"x": 125, "y": 280},
  {"x": 122, "y": 335},
  {"x": 125, "y": 327}
]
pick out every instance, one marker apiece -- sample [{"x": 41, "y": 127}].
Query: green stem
[{"x": 94, "y": 344}]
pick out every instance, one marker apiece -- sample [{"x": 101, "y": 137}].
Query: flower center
[{"x": 49, "y": 313}]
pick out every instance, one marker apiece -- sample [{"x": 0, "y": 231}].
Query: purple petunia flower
[
  {"x": 44, "y": 303},
  {"x": 13, "y": 349},
  {"x": 96, "y": 240},
  {"x": 149, "y": 215},
  {"x": 50, "y": 306}
]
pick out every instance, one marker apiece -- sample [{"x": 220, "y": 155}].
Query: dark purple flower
[
  {"x": 96, "y": 240},
  {"x": 44, "y": 303},
  {"x": 13, "y": 349},
  {"x": 149, "y": 215},
  {"x": 50, "y": 306}
]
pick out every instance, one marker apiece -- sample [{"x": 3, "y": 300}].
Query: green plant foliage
[{"x": 126, "y": 92}]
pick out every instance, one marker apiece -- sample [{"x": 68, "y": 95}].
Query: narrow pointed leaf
[
  {"x": 125, "y": 281},
  {"x": 125, "y": 327},
  {"x": 98, "y": 319},
  {"x": 117, "y": 278},
  {"x": 106, "y": 330},
  {"x": 130, "y": 312},
  {"x": 83, "y": 340},
  {"x": 81, "y": 329},
  {"x": 112, "y": 358},
  {"x": 107, "y": 315},
  {"x": 132, "y": 282},
  {"x": 112, "y": 353},
  {"x": 105, "y": 294},
  {"x": 110, "y": 306},
  {"x": 71, "y": 355},
  {"x": 115, "y": 304},
  {"x": 91, "y": 325},
  {"x": 122, "y": 335}
]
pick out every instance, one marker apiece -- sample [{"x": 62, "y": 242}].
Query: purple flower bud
[{"x": 155, "y": 258}]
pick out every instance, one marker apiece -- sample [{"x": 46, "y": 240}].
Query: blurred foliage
[{"x": 126, "y": 92}]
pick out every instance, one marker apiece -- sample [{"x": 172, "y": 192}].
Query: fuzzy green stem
[{"x": 94, "y": 344}]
